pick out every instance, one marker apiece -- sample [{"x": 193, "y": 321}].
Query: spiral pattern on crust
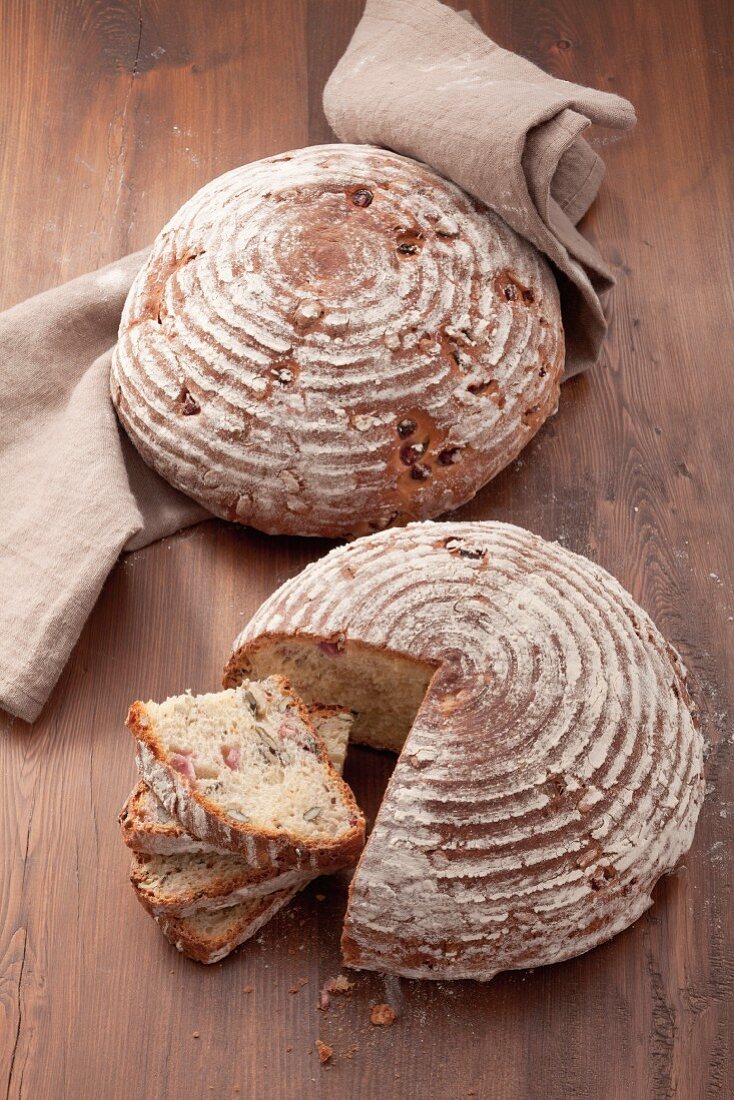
[
  {"x": 335, "y": 340},
  {"x": 554, "y": 770}
]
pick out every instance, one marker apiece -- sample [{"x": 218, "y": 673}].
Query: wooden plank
[{"x": 112, "y": 113}]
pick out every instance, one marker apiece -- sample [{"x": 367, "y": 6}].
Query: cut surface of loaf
[
  {"x": 551, "y": 770},
  {"x": 147, "y": 826},
  {"x": 244, "y": 770},
  {"x": 209, "y": 936},
  {"x": 385, "y": 688},
  {"x": 334, "y": 340}
]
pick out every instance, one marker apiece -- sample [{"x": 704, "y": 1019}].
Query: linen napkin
[
  {"x": 424, "y": 80},
  {"x": 418, "y": 78},
  {"x": 74, "y": 490}
]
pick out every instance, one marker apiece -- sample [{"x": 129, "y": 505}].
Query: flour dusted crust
[
  {"x": 335, "y": 340},
  {"x": 553, "y": 771},
  {"x": 147, "y": 827}
]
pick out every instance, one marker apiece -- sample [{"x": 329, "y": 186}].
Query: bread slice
[
  {"x": 244, "y": 770},
  {"x": 334, "y": 726},
  {"x": 147, "y": 826},
  {"x": 208, "y": 937},
  {"x": 179, "y": 885}
]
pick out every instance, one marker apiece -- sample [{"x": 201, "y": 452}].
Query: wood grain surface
[{"x": 111, "y": 114}]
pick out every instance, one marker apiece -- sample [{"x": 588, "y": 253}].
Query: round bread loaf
[
  {"x": 335, "y": 340},
  {"x": 552, "y": 762}
]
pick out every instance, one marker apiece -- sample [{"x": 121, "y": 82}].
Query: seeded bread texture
[
  {"x": 180, "y": 884},
  {"x": 244, "y": 770},
  {"x": 147, "y": 826},
  {"x": 384, "y": 689},
  {"x": 208, "y": 937}
]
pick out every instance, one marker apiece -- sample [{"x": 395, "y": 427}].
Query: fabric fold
[
  {"x": 75, "y": 491},
  {"x": 425, "y": 81}
]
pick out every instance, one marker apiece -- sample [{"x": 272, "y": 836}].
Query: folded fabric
[
  {"x": 424, "y": 80},
  {"x": 75, "y": 491},
  {"x": 417, "y": 77}
]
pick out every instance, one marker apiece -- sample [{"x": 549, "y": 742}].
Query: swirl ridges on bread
[
  {"x": 334, "y": 340},
  {"x": 552, "y": 770}
]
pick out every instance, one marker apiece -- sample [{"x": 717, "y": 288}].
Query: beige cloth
[
  {"x": 75, "y": 493},
  {"x": 425, "y": 81},
  {"x": 74, "y": 490}
]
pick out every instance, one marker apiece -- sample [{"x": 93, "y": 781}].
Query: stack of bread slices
[{"x": 240, "y": 804}]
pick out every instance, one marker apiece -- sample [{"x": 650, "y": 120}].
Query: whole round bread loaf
[
  {"x": 335, "y": 340},
  {"x": 551, "y": 762}
]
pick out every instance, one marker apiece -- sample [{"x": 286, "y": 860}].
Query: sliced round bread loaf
[
  {"x": 551, "y": 762},
  {"x": 335, "y": 340}
]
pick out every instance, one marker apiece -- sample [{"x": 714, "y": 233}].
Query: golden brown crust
[{"x": 130, "y": 813}]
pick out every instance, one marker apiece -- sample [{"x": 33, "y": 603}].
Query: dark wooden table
[{"x": 111, "y": 114}]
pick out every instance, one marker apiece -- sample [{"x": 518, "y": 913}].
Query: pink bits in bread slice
[
  {"x": 245, "y": 770},
  {"x": 180, "y": 883},
  {"x": 148, "y": 828}
]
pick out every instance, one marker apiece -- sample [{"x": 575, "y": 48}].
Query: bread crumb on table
[
  {"x": 325, "y": 1051},
  {"x": 247, "y": 989},
  {"x": 340, "y": 984},
  {"x": 382, "y": 1015},
  {"x": 195, "y": 1034}
]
